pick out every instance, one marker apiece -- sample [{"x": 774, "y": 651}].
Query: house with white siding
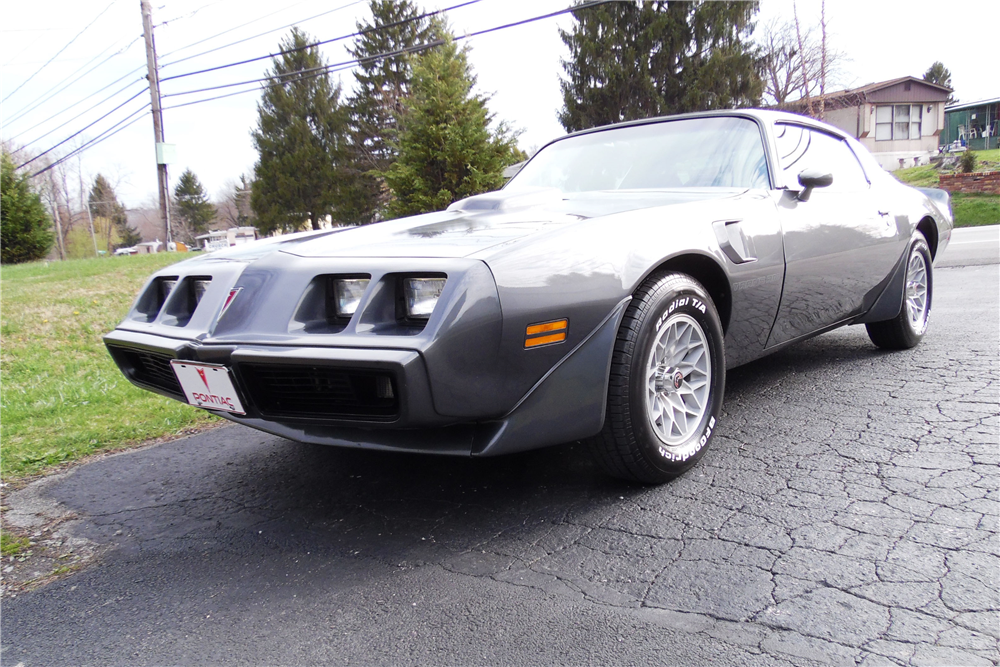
[{"x": 899, "y": 120}]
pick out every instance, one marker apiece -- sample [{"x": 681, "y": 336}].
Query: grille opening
[
  {"x": 149, "y": 304},
  {"x": 150, "y": 368},
  {"x": 185, "y": 298},
  {"x": 321, "y": 391}
]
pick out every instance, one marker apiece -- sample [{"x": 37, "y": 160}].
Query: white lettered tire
[{"x": 667, "y": 382}]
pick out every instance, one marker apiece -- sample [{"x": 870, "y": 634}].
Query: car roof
[{"x": 763, "y": 116}]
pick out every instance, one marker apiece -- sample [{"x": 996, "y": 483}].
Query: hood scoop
[{"x": 502, "y": 201}]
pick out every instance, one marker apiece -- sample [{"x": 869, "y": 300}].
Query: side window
[{"x": 801, "y": 148}]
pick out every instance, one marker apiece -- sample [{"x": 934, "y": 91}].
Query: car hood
[{"x": 478, "y": 223}]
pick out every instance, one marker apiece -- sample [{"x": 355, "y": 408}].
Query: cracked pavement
[{"x": 846, "y": 514}]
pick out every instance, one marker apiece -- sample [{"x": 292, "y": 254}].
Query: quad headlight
[
  {"x": 347, "y": 293},
  {"x": 421, "y": 295}
]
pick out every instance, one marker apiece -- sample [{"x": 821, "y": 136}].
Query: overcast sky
[{"x": 518, "y": 67}]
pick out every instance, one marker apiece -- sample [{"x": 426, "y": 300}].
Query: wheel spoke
[{"x": 678, "y": 373}]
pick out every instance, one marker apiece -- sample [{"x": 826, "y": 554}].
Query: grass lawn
[
  {"x": 975, "y": 210},
  {"x": 969, "y": 210},
  {"x": 62, "y": 396}
]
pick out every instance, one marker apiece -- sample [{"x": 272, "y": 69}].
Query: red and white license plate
[{"x": 207, "y": 386}]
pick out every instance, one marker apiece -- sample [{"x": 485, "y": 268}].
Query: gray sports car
[{"x": 600, "y": 295}]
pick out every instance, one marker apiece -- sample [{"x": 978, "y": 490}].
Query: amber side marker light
[{"x": 546, "y": 333}]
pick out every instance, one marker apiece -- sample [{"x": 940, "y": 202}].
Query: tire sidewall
[
  {"x": 918, "y": 245},
  {"x": 688, "y": 299}
]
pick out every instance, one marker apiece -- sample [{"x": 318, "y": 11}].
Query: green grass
[
  {"x": 925, "y": 176},
  {"x": 969, "y": 210},
  {"x": 62, "y": 397},
  {"x": 11, "y": 545},
  {"x": 975, "y": 210}
]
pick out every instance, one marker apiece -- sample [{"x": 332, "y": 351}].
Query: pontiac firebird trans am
[{"x": 600, "y": 295}]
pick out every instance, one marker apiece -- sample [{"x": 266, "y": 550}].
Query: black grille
[
  {"x": 151, "y": 368},
  {"x": 321, "y": 391}
]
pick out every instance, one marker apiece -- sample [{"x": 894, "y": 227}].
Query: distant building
[
  {"x": 974, "y": 125},
  {"x": 224, "y": 238},
  {"x": 148, "y": 247},
  {"x": 899, "y": 121}
]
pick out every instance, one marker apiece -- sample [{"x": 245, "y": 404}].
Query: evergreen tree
[
  {"x": 941, "y": 75},
  {"x": 25, "y": 227},
  {"x": 300, "y": 140},
  {"x": 192, "y": 210},
  {"x": 382, "y": 86},
  {"x": 110, "y": 219},
  {"x": 446, "y": 149},
  {"x": 633, "y": 60}
]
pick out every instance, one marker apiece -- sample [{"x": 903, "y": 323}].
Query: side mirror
[{"x": 813, "y": 178}]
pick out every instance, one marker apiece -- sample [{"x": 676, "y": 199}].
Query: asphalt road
[
  {"x": 846, "y": 514},
  {"x": 972, "y": 246}
]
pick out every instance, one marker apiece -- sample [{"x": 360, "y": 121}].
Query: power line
[
  {"x": 301, "y": 75},
  {"x": 188, "y": 15},
  {"x": 325, "y": 41},
  {"x": 82, "y": 113},
  {"x": 311, "y": 72},
  {"x": 81, "y": 130},
  {"x": 60, "y": 51},
  {"x": 107, "y": 134},
  {"x": 348, "y": 64},
  {"x": 266, "y": 32},
  {"x": 46, "y": 96},
  {"x": 229, "y": 30}
]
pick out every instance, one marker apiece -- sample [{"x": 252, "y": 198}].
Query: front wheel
[
  {"x": 906, "y": 329},
  {"x": 667, "y": 380}
]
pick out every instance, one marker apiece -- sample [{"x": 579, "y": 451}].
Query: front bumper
[
  {"x": 567, "y": 404},
  {"x": 334, "y": 374}
]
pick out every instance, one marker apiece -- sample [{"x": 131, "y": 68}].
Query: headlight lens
[
  {"x": 347, "y": 293},
  {"x": 421, "y": 295}
]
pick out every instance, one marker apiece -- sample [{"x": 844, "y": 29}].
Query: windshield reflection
[{"x": 721, "y": 152}]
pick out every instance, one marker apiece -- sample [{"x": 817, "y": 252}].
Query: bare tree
[
  {"x": 802, "y": 59},
  {"x": 232, "y": 203},
  {"x": 788, "y": 68},
  {"x": 822, "y": 68}
]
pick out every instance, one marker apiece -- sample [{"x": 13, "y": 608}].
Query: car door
[{"x": 838, "y": 244}]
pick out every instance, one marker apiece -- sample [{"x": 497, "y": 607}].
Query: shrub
[{"x": 967, "y": 163}]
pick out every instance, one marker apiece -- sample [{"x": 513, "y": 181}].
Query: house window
[{"x": 898, "y": 121}]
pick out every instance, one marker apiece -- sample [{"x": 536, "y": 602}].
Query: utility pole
[{"x": 154, "y": 93}]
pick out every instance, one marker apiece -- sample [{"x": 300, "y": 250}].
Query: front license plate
[{"x": 207, "y": 386}]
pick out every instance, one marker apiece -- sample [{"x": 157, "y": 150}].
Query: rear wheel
[
  {"x": 667, "y": 381},
  {"x": 906, "y": 329}
]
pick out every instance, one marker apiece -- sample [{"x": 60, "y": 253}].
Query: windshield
[{"x": 689, "y": 153}]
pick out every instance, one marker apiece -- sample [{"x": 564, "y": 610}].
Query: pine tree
[
  {"x": 300, "y": 140},
  {"x": 25, "y": 227},
  {"x": 446, "y": 149},
  {"x": 941, "y": 75},
  {"x": 636, "y": 60},
  {"x": 110, "y": 219},
  {"x": 382, "y": 86},
  {"x": 192, "y": 209}
]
